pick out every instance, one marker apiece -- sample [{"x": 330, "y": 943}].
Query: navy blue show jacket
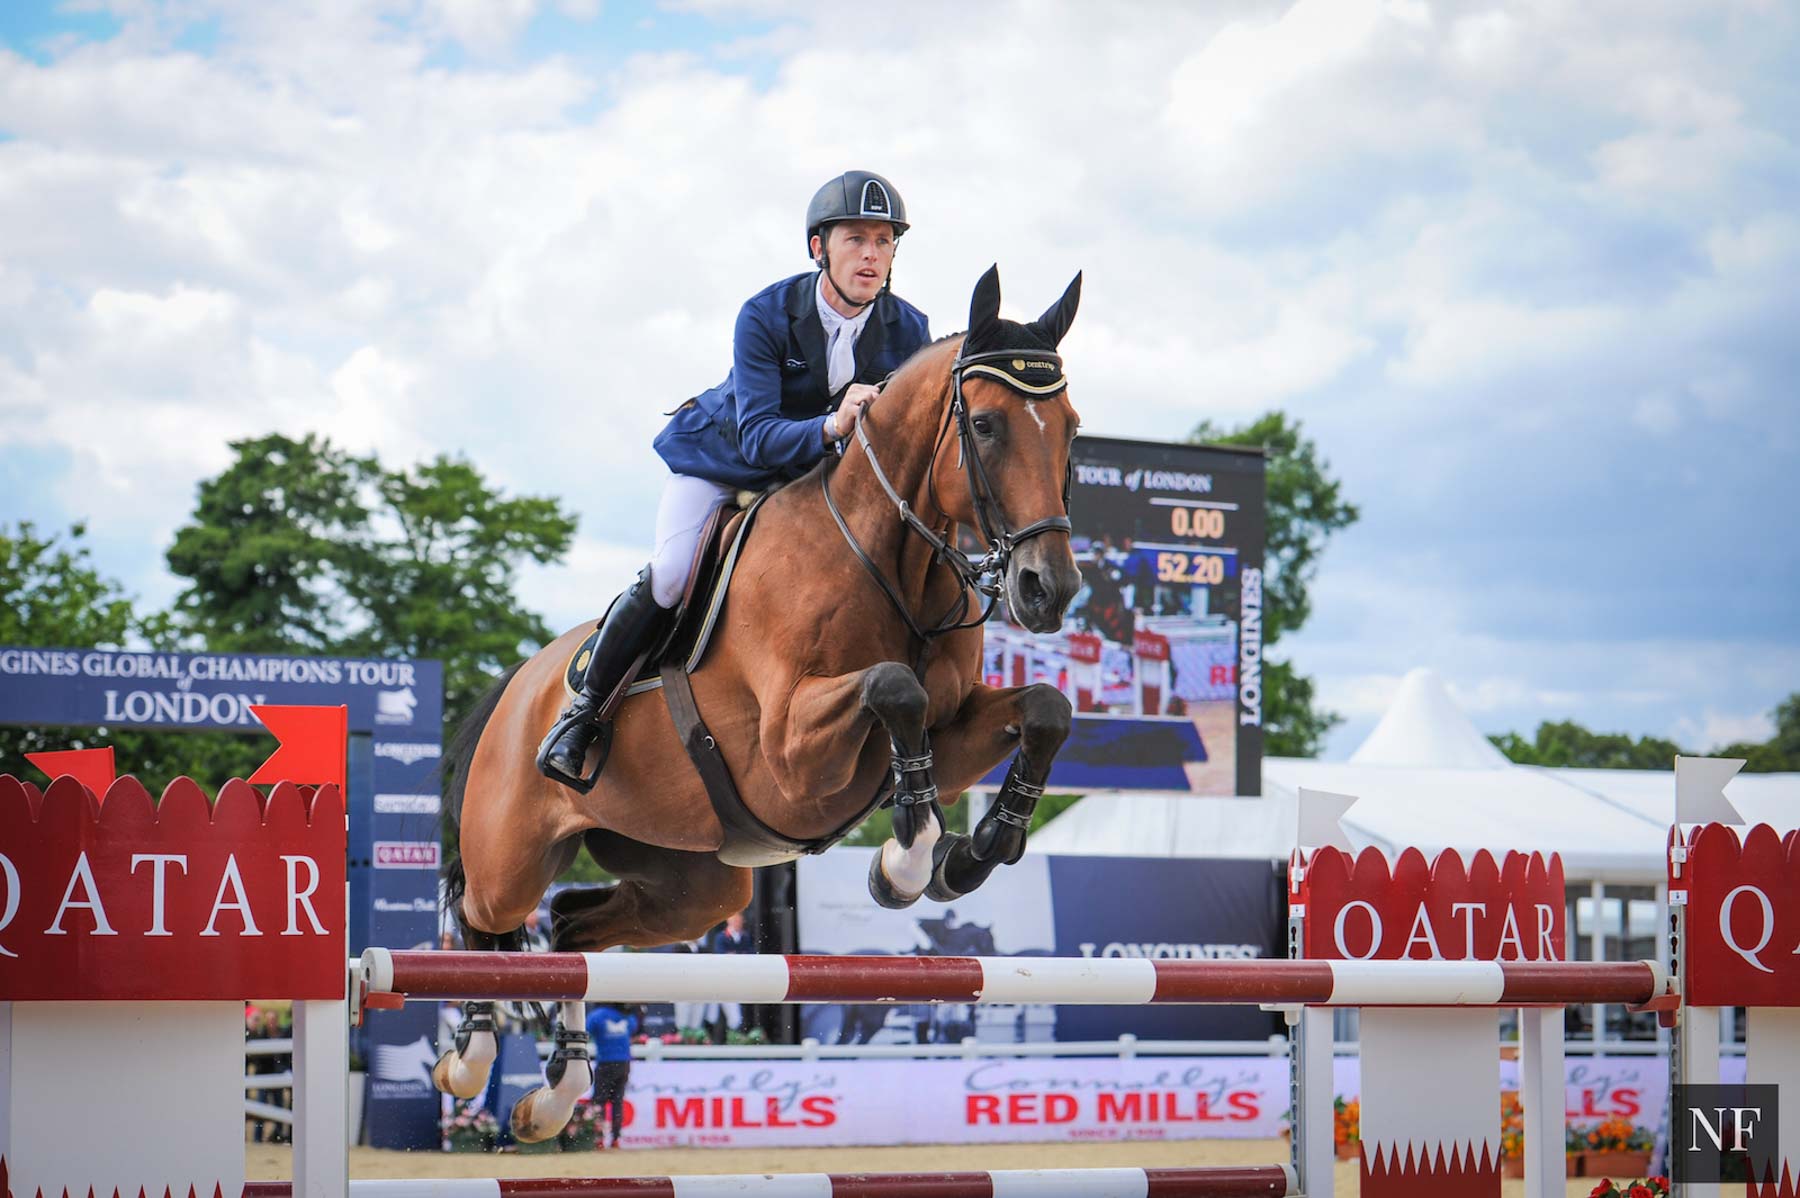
[{"x": 765, "y": 422}]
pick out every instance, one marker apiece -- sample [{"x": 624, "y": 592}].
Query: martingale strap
[{"x": 1034, "y": 373}]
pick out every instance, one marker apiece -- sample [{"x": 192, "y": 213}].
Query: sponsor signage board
[
  {"x": 186, "y": 899},
  {"x": 118, "y": 689},
  {"x": 1047, "y": 905},
  {"x": 796, "y": 1104}
]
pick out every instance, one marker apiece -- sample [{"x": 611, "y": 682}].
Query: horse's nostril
[{"x": 1031, "y": 589}]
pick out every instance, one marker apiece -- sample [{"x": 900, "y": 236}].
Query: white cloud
[{"x": 1458, "y": 243}]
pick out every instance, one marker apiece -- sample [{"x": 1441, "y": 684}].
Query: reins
[{"x": 984, "y": 575}]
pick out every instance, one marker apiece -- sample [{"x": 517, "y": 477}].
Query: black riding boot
[{"x": 630, "y": 630}]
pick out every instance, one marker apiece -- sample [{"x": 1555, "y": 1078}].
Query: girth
[{"x": 748, "y": 841}]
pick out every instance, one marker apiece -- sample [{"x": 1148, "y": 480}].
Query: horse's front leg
[
  {"x": 901, "y": 871},
  {"x": 1037, "y": 719},
  {"x": 818, "y": 738}
]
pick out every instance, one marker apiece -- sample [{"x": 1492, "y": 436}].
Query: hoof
[
  {"x": 882, "y": 890},
  {"x": 540, "y": 1114},
  {"x": 450, "y": 1076}
]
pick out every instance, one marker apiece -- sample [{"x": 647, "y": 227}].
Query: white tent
[{"x": 1425, "y": 777}]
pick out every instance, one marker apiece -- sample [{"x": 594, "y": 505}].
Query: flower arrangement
[
  {"x": 1654, "y": 1187},
  {"x": 471, "y": 1130},
  {"x": 582, "y": 1132},
  {"x": 1512, "y": 1126},
  {"x": 1618, "y": 1135},
  {"x": 1346, "y": 1126}
]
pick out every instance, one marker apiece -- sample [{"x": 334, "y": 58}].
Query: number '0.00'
[{"x": 1196, "y": 522}]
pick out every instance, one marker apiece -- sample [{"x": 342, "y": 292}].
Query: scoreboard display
[{"x": 1161, "y": 651}]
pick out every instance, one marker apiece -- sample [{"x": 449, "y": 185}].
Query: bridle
[{"x": 986, "y": 574}]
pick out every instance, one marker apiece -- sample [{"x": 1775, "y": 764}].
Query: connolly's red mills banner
[
  {"x": 1361, "y": 908},
  {"x": 186, "y": 899},
  {"x": 1743, "y": 920}
]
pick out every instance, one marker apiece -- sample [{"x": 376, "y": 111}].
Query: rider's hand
[{"x": 857, "y": 396}]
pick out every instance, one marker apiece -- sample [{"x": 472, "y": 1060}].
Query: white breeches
[{"x": 686, "y": 503}]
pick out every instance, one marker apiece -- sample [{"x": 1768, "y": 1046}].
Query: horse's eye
[{"x": 983, "y": 426}]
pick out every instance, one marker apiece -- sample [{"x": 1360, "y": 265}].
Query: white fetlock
[
  {"x": 545, "y": 1111},
  {"x": 909, "y": 870},
  {"x": 465, "y": 1074}
]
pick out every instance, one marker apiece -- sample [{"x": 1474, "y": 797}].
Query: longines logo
[{"x": 407, "y": 752}]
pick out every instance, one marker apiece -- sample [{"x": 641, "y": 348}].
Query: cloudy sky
[{"x": 1526, "y": 272}]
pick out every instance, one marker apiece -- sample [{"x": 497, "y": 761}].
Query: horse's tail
[{"x": 456, "y": 780}]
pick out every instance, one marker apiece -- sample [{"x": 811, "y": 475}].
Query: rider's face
[{"x": 861, "y": 253}]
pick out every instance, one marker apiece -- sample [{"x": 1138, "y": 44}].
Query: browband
[{"x": 1030, "y": 372}]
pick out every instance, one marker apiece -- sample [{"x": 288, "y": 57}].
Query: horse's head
[{"x": 1015, "y": 405}]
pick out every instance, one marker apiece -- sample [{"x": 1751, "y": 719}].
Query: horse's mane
[{"x": 926, "y": 359}]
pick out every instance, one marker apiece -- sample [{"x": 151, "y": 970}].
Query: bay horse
[{"x": 846, "y": 670}]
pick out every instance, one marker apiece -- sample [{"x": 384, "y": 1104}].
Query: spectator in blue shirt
[{"x": 611, "y": 1029}]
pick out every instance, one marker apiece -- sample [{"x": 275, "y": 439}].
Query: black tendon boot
[{"x": 630, "y": 630}]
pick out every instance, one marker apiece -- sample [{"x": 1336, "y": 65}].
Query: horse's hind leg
[
  {"x": 463, "y": 1070},
  {"x": 544, "y": 1111},
  {"x": 663, "y": 896}
]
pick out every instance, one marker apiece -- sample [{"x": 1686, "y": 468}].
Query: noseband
[{"x": 986, "y": 574}]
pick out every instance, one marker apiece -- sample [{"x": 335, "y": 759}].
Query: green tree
[
  {"x": 269, "y": 547},
  {"x": 300, "y": 547},
  {"x": 55, "y": 598},
  {"x": 1305, "y": 506},
  {"x": 1781, "y": 752},
  {"x": 53, "y": 595},
  {"x": 1566, "y": 743},
  {"x": 443, "y": 586}
]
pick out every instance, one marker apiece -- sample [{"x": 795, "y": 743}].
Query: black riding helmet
[{"x": 854, "y": 195}]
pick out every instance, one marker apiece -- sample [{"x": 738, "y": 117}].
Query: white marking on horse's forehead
[{"x": 1031, "y": 405}]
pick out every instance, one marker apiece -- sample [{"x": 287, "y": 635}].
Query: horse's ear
[
  {"x": 984, "y": 311},
  {"x": 1059, "y": 316}
]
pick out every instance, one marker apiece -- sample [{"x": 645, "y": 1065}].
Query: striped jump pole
[
  {"x": 1261, "y": 1181},
  {"x": 1101, "y": 981}
]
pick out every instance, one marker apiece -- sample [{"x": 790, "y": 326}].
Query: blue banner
[
  {"x": 394, "y": 699},
  {"x": 401, "y": 1109},
  {"x": 1167, "y": 908}
]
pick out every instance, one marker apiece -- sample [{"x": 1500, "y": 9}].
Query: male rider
[{"x": 807, "y": 353}]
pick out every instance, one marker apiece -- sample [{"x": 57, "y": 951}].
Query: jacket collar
[{"x": 809, "y": 330}]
